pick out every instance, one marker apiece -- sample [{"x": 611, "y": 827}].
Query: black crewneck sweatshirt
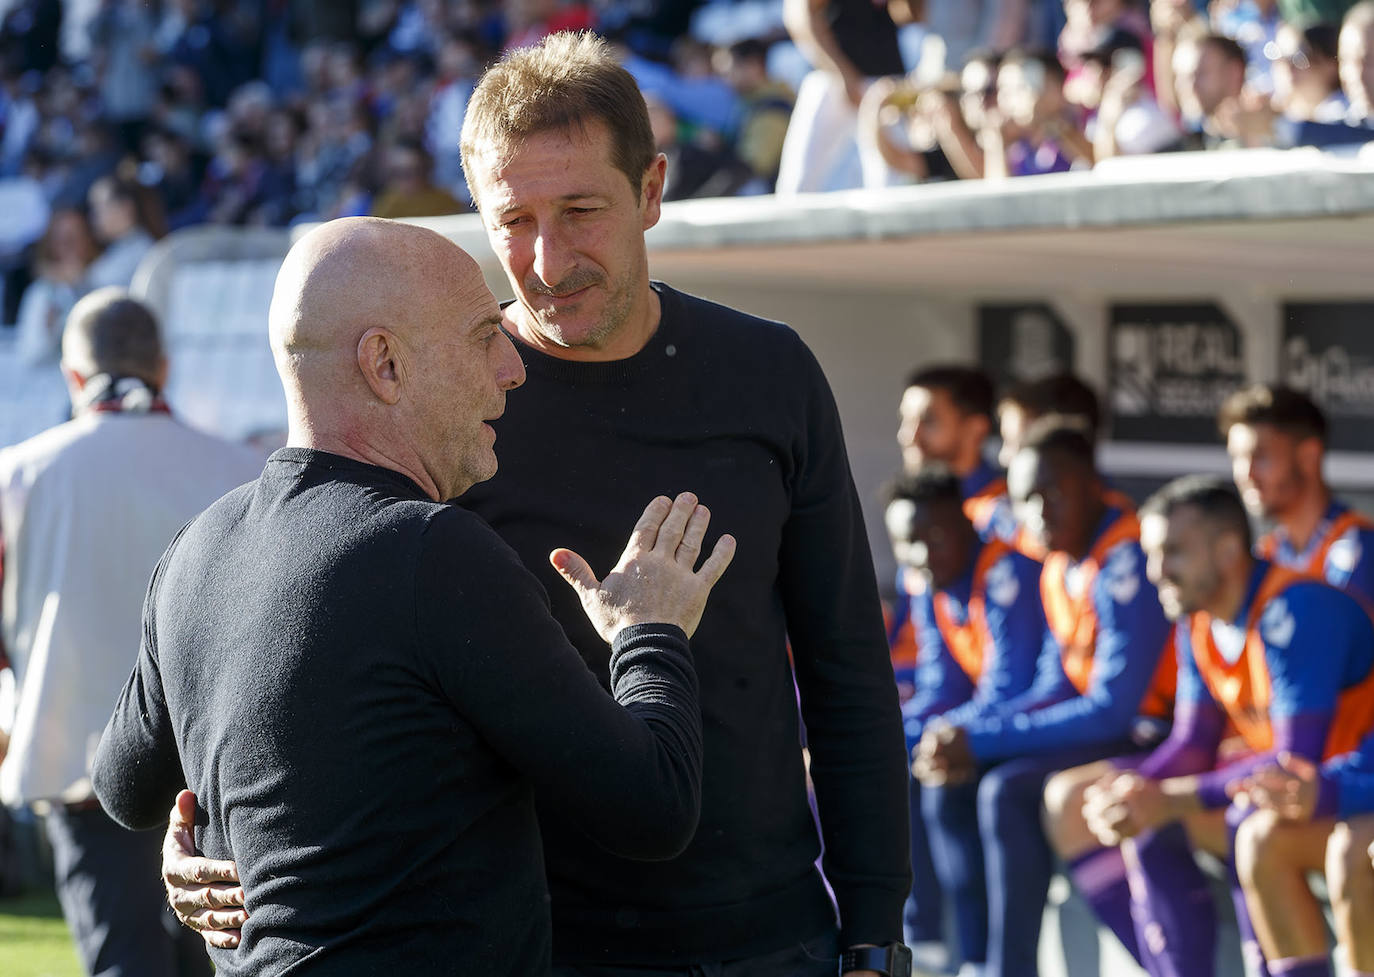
[
  {"x": 737, "y": 410},
  {"x": 362, "y": 687}
]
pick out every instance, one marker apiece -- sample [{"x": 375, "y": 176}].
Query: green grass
[{"x": 33, "y": 938}]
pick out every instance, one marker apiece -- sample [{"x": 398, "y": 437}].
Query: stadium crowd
[
  {"x": 1116, "y": 688},
  {"x": 123, "y": 120}
]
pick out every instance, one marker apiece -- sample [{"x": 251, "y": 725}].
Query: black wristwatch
[{"x": 890, "y": 959}]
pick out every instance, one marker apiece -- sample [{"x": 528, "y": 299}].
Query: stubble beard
[{"x": 616, "y": 312}]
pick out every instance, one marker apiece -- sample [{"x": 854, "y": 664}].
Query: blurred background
[{"x": 1169, "y": 199}]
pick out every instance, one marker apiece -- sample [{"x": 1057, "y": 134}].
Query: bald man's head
[{"x": 382, "y": 333}]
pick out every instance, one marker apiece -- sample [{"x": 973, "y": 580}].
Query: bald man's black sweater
[
  {"x": 737, "y": 410},
  {"x": 362, "y": 686}
]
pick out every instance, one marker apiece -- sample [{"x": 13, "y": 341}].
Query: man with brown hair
[
  {"x": 1276, "y": 437},
  {"x": 632, "y": 385}
]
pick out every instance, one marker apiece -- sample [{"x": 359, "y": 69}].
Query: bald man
[
  {"x": 86, "y": 508},
  {"x": 363, "y": 685}
]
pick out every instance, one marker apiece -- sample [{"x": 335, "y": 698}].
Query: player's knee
[
  {"x": 1260, "y": 847},
  {"x": 1349, "y": 875},
  {"x": 1064, "y": 796}
]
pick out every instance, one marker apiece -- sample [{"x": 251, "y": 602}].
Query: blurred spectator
[
  {"x": 408, "y": 190},
  {"x": 1125, "y": 119},
  {"x": 1218, "y": 78},
  {"x": 1254, "y": 25},
  {"x": 1307, "y": 85},
  {"x": 968, "y": 25},
  {"x": 127, "y": 220},
  {"x": 64, "y": 254},
  {"x": 171, "y": 171},
  {"x": 1265, "y": 124},
  {"x": 19, "y": 116},
  {"x": 1033, "y": 130},
  {"x": 1356, "y": 54},
  {"x": 694, "y": 170},
  {"x": 1091, "y": 23},
  {"x": 1170, "y": 21},
  {"x": 29, "y": 33},
  {"x": 529, "y": 21},
  {"x": 919, "y": 131},
  {"x": 849, "y": 43},
  {"x": 765, "y": 107},
  {"x": 460, "y": 63},
  {"x": 124, "y": 60}
]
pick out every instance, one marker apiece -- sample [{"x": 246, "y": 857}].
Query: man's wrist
[{"x": 890, "y": 959}]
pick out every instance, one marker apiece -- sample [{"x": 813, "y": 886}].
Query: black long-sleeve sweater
[
  {"x": 361, "y": 686},
  {"x": 737, "y": 410}
]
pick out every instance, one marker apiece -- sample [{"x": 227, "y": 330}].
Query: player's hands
[
  {"x": 654, "y": 582},
  {"x": 204, "y": 893},
  {"x": 1123, "y": 805},
  {"x": 943, "y": 756},
  {"x": 1287, "y": 787}
]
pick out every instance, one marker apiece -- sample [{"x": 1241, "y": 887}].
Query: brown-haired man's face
[
  {"x": 1265, "y": 467},
  {"x": 568, "y": 228}
]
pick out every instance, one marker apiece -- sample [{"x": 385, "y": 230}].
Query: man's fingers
[
  {"x": 221, "y": 895},
  {"x": 572, "y": 568},
  {"x": 188, "y": 872},
  {"x": 645, "y": 533},
  {"x": 222, "y": 939},
  {"x": 721, "y": 555},
  {"x": 216, "y": 919},
  {"x": 690, "y": 548},
  {"x": 184, "y": 810},
  {"x": 675, "y": 524}
]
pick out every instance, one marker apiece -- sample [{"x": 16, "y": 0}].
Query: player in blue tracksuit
[
  {"x": 1276, "y": 437},
  {"x": 1097, "y": 671},
  {"x": 978, "y": 616},
  {"x": 1284, "y": 658}
]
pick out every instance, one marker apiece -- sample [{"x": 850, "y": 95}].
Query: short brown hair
[
  {"x": 565, "y": 80},
  {"x": 1289, "y": 410}
]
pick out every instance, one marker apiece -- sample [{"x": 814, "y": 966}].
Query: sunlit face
[
  {"x": 1053, "y": 500},
  {"x": 931, "y": 428},
  {"x": 1215, "y": 78},
  {"x": 568, "y": 228},
  {"x": 1265, "y": 467},
  {"x": 1180, "y": 559},
  {"x": 928, "y": 538},
  {"x": 463, "y": 364}
]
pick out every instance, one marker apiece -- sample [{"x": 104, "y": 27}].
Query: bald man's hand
[
  {"x": 654, "y": 582},
  {"x": 204, "y": 893}
]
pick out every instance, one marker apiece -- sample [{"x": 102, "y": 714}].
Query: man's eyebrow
[{"x": 513, "y": 206}]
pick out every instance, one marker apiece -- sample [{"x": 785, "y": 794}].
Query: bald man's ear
[{"x": 377, "y": 359}]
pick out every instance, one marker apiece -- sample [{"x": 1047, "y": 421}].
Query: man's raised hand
[{"x": 654, "y": 582}]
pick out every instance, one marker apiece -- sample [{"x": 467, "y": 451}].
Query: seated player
[
  {"x": 946, "y": 416},
  {"x": 1310, "y": 819},
  {"x": 980, "y": 628},
  {"x": 1276, "y": 438},
  {"x": 1281, "y": 655},
  {"x": 1098, "y": 671}
]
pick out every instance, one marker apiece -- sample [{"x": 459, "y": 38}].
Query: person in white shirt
[{"x": 86, "y": 510}]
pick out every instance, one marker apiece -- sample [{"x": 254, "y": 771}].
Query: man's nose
[{"x": 553, "y": 257}]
